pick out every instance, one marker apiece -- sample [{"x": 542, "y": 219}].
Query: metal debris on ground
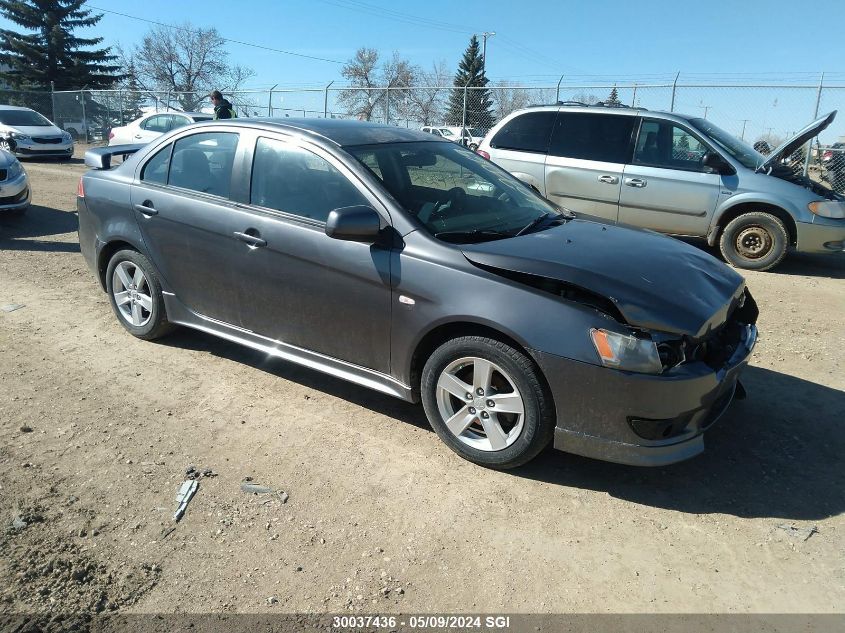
[
  {"x": 186, "y": 491},
  {"x": 798, "y": 532},
  {"x": 249, "y": 487},
  {"x": 18, "y": 523},
  {"x": 11, "y": 307}
]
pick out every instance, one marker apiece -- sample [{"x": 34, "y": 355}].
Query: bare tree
[
  {"x": 187, "y": 62},
  {"x": 366, "y": 97},
  {"x": 428, "y": 96},
  {"x": 506, "y": 98}
]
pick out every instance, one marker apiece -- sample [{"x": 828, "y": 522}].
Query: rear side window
[
  {"x": 178, "y": 121},
  {"x": 203, "y": 162},
  {"x": 156, "y": 168},
  {"x": 588, "y": 136},
  {"x": 295, "y": 181},
  {"x": 157, "y": 123},
  {"x": 529, "y": 132}
]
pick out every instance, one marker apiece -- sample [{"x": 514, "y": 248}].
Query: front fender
[{"x": 756, "y": 198}]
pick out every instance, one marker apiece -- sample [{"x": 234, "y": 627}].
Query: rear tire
[
  {"x": 754, "y": 241},
  {"x": 135, "y": 295},
  {"x": 505, "y": 434}
]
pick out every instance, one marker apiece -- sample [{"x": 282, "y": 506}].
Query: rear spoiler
[{"x": 100, "y": 157}]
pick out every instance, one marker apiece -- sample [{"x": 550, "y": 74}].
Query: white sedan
[{"x": 151, "y": 126}]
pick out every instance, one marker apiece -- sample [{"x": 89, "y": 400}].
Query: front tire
[
  {"x": 135, "y": 295},
  {"x": 754, "y": 241},
  {"x": 487, "y": 402}
]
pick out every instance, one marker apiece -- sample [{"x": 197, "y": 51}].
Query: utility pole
[
  {"x": 742, "y": 134},
  {"x": 705, "y": 108},
  {"x": 484, "y": 37}
]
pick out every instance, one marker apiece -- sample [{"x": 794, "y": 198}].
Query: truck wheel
[{"x": 754, "y": 241}]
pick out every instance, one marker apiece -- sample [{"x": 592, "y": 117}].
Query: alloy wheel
[
  {"x": 480, "y": 404},
  {"x": 131, "y": 292}
]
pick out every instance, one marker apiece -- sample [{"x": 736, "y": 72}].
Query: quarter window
[
  {"x": 157, "y": 123},
  {"x": 662, "y": 144},
  {"x": 203, "y": 162},
  {"x": 588, "y": 136},
  {"x": 528, "y": 132},
  {"x": 293, "y": 180}
]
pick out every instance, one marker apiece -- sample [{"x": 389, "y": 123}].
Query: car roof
[
  {"x": 623, "y": 110},
  {"x": 11, "y": 107},
  {"x": 341, "y": 132},
  {"x": 191, "y": 114}
]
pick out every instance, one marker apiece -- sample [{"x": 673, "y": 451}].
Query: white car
[
  {"x": 25, "y": 133},
  {"x": 151, "y": 126},
  {"x": 471, "y": 136}
]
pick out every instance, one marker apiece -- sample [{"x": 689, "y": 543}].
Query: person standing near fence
[{"x": 222, "y": 107}]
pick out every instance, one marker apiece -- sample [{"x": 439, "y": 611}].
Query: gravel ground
[{"x": 97, "y": 430}]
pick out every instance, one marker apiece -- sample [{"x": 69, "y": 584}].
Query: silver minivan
[{"x": 674, "y": 174}]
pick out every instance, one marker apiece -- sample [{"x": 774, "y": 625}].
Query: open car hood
[
  {"x": 656, "y": 282},
  {"x": 805, "y": 134}
]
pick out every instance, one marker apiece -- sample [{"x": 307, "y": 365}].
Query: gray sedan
[
  {"x": 408, "y": 264},
  {"x": 15, "y": 194}
]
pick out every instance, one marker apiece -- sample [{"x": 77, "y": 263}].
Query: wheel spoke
[
  {"x": 123, "y": 275},
  {"x": 497, "y": 437},
  {"x": 121, "y": 298},
  {"x": 459, "y": 422},
  {"x": 508, "y": 403},
  {"x": 482, "y": 372},
  {"x": 137, "y": 317},
  {"x": 138, "y": 279},
  {"x": 454, "y": 385},
  {"x": 146, "y": 302}
]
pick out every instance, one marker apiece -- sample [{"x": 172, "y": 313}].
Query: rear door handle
[
  {"x": 253, "y": 240},
  {"x": 146, "y": 208},
  {"x": 610, "y": 180},
  {"x": 636, "y": 182}
]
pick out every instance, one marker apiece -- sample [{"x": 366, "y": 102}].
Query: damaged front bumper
[{"x": 641, "y": 419}]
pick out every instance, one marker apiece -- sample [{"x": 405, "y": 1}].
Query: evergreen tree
[
  {"x": 613, "y": 98},
  {"x": 479, "y": 106},
  {"x": 51, "y": 53}
]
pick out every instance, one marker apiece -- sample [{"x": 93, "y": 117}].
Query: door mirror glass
[
  {"x": 360, "y": 223},
  {"x": 717, "y": 164}
]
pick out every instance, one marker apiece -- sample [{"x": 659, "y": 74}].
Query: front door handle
[
  {"x": 146, "y": 207},
  {"x": 636, "y": 182},
  {"x": 138, "y": 136},
  {"x": 251, "y": 237},
  {"x": 610, "y": 180}
]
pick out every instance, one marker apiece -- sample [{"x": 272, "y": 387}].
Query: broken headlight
[{"x": 626, "y": 352}]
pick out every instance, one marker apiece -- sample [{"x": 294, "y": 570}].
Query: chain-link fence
[{"x": 761, "y": 114}]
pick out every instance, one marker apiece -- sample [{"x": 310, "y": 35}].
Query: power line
[{"x": 225, "y": 39}]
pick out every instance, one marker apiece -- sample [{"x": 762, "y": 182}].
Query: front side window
[
  {"x": 529, "y": 132},
  {"x": 296, "y": 181},
  {"x": 203, "y": 162},
  {"x": 589, "y": 136},
  {"x": 155, "y": 170},
  {"x": 663, "y": 144},
  {"x": 457, "y": 195}
]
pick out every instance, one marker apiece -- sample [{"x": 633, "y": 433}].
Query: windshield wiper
[
  {"x": 473, "y": 233},
  {"x": 533, "y": 224}
]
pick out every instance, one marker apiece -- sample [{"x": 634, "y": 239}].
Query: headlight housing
[
  {"x": 19, "y": 136},
  {"x": 626, "y": 352},
  {"x": 828, "y": 208},
  {"x": 14, "y": 170},
  {"x": 66, "y": 136}
]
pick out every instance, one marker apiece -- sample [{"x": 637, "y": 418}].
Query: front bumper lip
[
  {"x": 594, "y": 403},
  {"x": 28, "y": 149}
]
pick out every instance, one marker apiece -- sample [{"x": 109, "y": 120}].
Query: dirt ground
[{"x": 97, "y": 429}]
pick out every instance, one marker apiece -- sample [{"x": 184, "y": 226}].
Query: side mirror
[
  {"x": 717, "y": 164},
  {"x": 355, "y": 224}
]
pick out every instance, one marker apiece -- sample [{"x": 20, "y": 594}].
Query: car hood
[
  {"x": 34, "y": 130},
  {"x": 656, "y": 282},
  {"x": 790, "y": 145}
]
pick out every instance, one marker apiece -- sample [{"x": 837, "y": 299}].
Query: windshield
[
  {"x": 457, "y": 195},
  {"x": 23, "y": 118},
  {"x": 446, "y": 132},
  {"x": 740, "y": 150}
]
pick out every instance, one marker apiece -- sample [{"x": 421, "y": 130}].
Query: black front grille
[{"x": 47, "y": 140}]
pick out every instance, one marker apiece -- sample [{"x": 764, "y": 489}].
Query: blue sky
[{"x": 535, "y": 41}]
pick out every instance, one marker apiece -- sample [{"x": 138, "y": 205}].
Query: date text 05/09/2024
[{"x": 422, "y": 621}]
